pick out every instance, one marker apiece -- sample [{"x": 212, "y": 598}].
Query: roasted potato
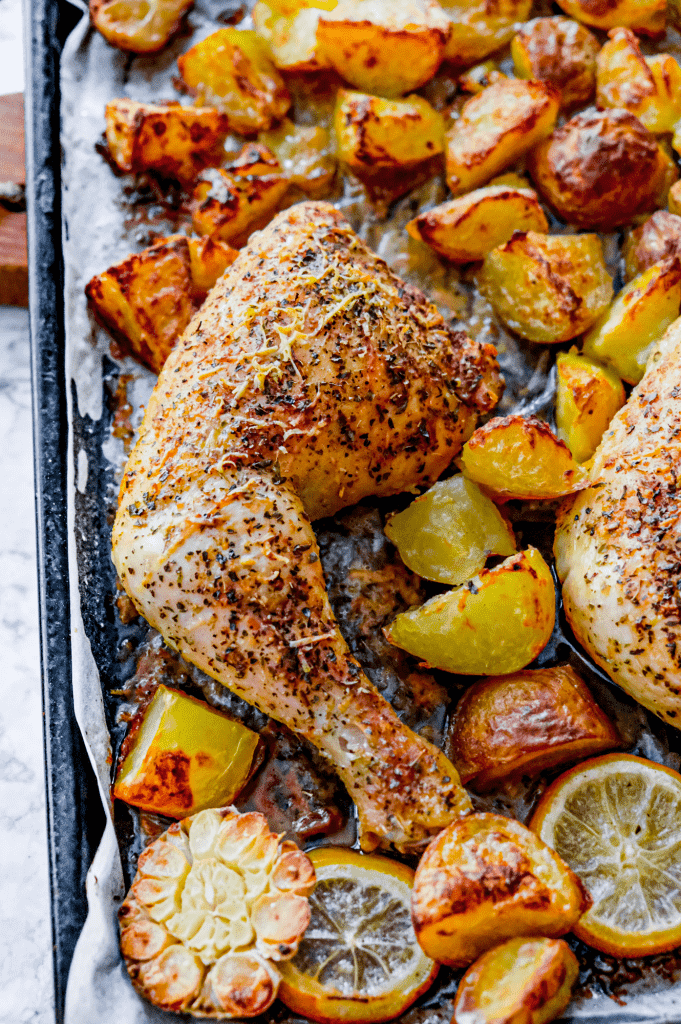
[
  {"x": 495, "y": 128},
  {"x": 208, "y": 260},
  {"x": 305, "y": 154},
  {"x": 497, "y": 622},
  {"x": 447, "y": 533},
  {"x": 600, "y": 169},
  {"x": 645, "y": 16},
  {"x": 232, "y": 70},
  {"x": 486, "y": 879},
  {"x": 466, "y": 228},
  {"x": 480, "y": 27},
  {"x": 377, "y": 134},
  {"x": 479, "y": 77},
  {"x": 177, "y": 142},
  {"x": 138, "y": 26},
  {"x": 649, "y": 87},
  {"x": 232, "y": 202},
  {"x": 626, "y": 333},
  {"x": 547, "y": 288},
  {"x": 522, "y": 981},
  {"x": 521, "y": 457},
  {"x": 146, "y": 301},
  {"x": 290, "y": 31},
  {"x": 657, "y": 239},
  {"x": 384, "y": 49},
  {"x": 184, "y": 757},
  {"x": 587, "y": 397},
  {"x": 560, "y": 51},
  {"x": 675, "y": 198},
  {"x": 520, "y": 724}
]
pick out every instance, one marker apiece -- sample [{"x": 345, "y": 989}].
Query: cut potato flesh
[
  {"x": 587, "y": 397},
  {"x": 650, "y": 87},
  {"x": 647, "y": 16},
  {"x": 375, "y": 133},
  {"x": 479, "y": 27},
  {"x": 138, "y": 26}
]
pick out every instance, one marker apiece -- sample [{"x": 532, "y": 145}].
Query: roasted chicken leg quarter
[
  {"x": 618, "y": 545},
  {"x": 311, "y": 378}
]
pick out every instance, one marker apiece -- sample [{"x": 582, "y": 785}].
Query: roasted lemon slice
[
  {"x": 616, "y": 820},
  {"x": 359, "y": 959}
]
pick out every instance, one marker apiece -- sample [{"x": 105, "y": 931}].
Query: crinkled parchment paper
[{"x": 98, "y": 231}]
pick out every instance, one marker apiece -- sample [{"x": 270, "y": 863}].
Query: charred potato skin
[
  {"x": 481, "y": 881},
  {"x": 176, "y": 142},
  {"x": 657, "y": 239},
  {"x": 645, "y": 16},
  {"x": 495, "y": 128},
  {"x": 535, "y": 979},
  {"x": 482, "y": 26},
  {"x": 520, "y": 724},
  {"x": 560, "y": 51},
  {"x": 149, "y": 35},
  {"x": 599, "y": 169},
  {"x": 467, "y": 228},
  {"x": 377, "y": 133}
]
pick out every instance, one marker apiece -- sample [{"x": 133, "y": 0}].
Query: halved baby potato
[
  {"x": 649, "y": 87},
  {"x": 547, "y": 288},
  {"x": 601, "y": 169},
  {"x": 520, "y": 724},
  {"x": 495, "y": 128},
  {"x": 587, "y": 397},
  {"x": 485, "y": 879},
  {"x": 521, "y": 457},
  {"x": 522, "y": 981},
  {"x": 233, "y": 71},
  {"x": 230, "y": 203},
  {"x": 384, "y": 49},
  {"x": 447, "y": 533},
  {"x": 290, "y": 31},
  {"x": 467, "y": 228},
  {"x": 184, "y": 757},
  {"x": 304, "y": 153},
  {"x": 480, "y": 27},
  {"x": 646, "y": 16},
  {"x": 175, "y": 141},
  {"x": 626, "y": 333},
  {"x": 657, "y": 239},
  {"x": 497, "y": 622},
  {"x": 383, "y": 134},
  {"x": 138, "y": 26},
  {"x": 560, "y": 51}
]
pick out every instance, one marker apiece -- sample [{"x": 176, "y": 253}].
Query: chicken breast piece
[
  {"x": 618, "y": 545},
  {"x": 311, "y": 378}
]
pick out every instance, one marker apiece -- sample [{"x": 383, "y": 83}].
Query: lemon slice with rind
[
  {"x": 359, "y": 959},
  {"x": 616, "y": 820}
]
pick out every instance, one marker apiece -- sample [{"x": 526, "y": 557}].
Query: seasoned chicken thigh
[
  {"x": 618, "y": 545},
  {"x": 311, "y": 378}
]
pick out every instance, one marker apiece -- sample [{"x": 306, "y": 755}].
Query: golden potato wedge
[
  {"x": 290, "y": 31},
  {"x": 177, "y": 142},
  {"x": 230, "y": 203},
  {"x": 183, "y": 757},
  {"x": 480, "y": 27},
  {"x": 497, "y": 622},
  {"x": 447, "y": 533},
  {"x": 639, "y": 316},
  {"x": 657, "y": 239},
  {"x": 146, "y": 301},
  {"x": 466, "y": 228},
  {"x": 520, "y": 724},
  {"x": 587, "y": 397},
  {"x": 649, "y": 87},
  {"x": 560, "y": 51},
  {"x": 138, "y": 26},
  {"x": 495, "y": 128},
  {"x": 233, "y": 71},
  {"x": 479, "y": 77},
  {"x": 305, "y": 154},
  {"x": 645, "y": 16},
  {"x": 375, "y": 133},
  {"x": 547, "y": 288},
  {"x": 600, "y": 169},
  {"x": 208, "y": 260},
  {"x": 521, "y": 457},
  {"x": 522, "y": 981},
  {"x": 384, "y": 49},
  {"x": 675, "y": 198},
  {"x": 485, "y": 879}
]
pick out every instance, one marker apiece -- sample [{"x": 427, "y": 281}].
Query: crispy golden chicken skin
[
  {"x": 618, "y": 545},
  {"x": 311, "y": 378}
]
